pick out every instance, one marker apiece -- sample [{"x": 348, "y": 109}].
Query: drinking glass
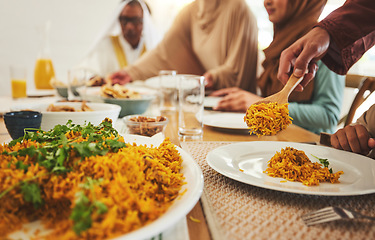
[
  {"x": 18, "y": 81},
  {"x": 77, "y": 78},
  {"x": 191, "y": 98},
  {"x": 168, "y": 90}
]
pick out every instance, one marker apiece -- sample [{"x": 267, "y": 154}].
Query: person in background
[
  {"x": 339, "y": 40},
  {"x": 357, "y": 137},
  {"x": 128, "y": 36},
  {"x": 214, "y": 38},
  {"x": 316, "y": 109}
]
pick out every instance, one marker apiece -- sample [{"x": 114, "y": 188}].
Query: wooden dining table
[{"x": 232, "y": 210}]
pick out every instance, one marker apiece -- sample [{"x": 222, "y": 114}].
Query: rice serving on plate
[
  {"x": 293, "y": 165},
  {"x": 267, "y": 118},
  {"x": 85, "y": 182}
]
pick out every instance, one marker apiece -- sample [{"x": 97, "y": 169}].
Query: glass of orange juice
[{"x": 18, "y": 76}]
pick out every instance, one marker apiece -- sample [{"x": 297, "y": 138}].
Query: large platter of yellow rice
[
  {"x": 247, "y": 162},
  {"x": 189, "y": 194}
]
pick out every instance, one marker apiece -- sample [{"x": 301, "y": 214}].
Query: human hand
[
  {"x": 120, "y": 77},
  {"x": 302, "y": 56},
  {"x": 353, "y": 138},
  {"x": 208, "y": 80},
  {"x": 237, "y": 100},
  {"x": 224, "y": 91}
]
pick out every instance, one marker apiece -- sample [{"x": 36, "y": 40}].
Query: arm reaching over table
[{"x": 339, "y": 41}]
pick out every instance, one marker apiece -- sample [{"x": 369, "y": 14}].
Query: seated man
[{"x": 127, "y": 37}]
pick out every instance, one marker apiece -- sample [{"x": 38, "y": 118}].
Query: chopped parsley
[
  {"x": 55, "y": 148},
  {"x": 84, "y": 208},
  {"x": 324, "y": 162}
]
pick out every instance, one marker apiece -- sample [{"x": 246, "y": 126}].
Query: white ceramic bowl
[{"x": 50, "y": 119}]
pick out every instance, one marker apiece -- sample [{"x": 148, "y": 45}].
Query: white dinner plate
[
  {"x": 225, "y": 120},
  {"x": 252, "y": 158},
  {"x": 182, "y": 205}
]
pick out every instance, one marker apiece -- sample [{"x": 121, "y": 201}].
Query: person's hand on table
[
  {"x": 120, "y": 77},
  {"x": 234, "y": 100},
  {"x": 353, "y": 138},
  {"x": 208, "y": 80},
  {"x": 301, "y": 57}
]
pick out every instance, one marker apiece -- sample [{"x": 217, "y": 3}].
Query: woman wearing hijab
[
  {"x": 317, "y": 108},
  {"x": 215, "y": 38},
  {"x": 127, "y": 37}
]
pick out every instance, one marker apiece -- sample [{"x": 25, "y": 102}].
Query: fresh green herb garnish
[
  {"x": 324, "y": 162},
  {"x": 31, "y": 194},
  {"x": 21, "y": 165},
  {"x": 57, "y": 147},
  {"x": 25, "y": 189},
  {"x": 81, "y": 214}
]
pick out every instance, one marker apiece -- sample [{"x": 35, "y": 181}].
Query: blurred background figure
[
  {"x": 214, "y": 38},
  {"x": 317, "y": 108},
  {"x": 128, "y": 36}
]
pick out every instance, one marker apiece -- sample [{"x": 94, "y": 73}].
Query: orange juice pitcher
[{"x": 44, "y": 71}]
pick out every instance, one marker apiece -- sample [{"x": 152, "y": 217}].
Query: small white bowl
[{"x": 50, "y": 119}]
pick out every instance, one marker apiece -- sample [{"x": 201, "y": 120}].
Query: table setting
[{"x": 227, "y": 194}]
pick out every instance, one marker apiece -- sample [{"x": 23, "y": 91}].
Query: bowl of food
[
  {"x": 131, "y": 102},
  {"x": 54, "y": 113},
  {"x": 145, "y": 125}
]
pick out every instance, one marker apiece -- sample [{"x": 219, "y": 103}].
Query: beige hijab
[{"x": 301, "y": 16}]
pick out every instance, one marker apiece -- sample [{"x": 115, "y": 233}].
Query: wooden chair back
[{"x": 366, "y": 85}]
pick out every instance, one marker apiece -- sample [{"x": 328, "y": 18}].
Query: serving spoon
[{"x": 282, "y": 96}]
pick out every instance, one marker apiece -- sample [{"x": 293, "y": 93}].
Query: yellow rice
[
  {"x": 267, "y": 118},
  {"x": 293, "y": 165},
  {"x": 139, "y": 184}
]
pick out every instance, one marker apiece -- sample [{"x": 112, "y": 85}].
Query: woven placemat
[{"x": 236, "y": 210}]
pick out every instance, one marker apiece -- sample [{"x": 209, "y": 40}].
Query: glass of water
[
  {"x": 168, "y": 90},
  {"x": 191, "y": 98}
]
